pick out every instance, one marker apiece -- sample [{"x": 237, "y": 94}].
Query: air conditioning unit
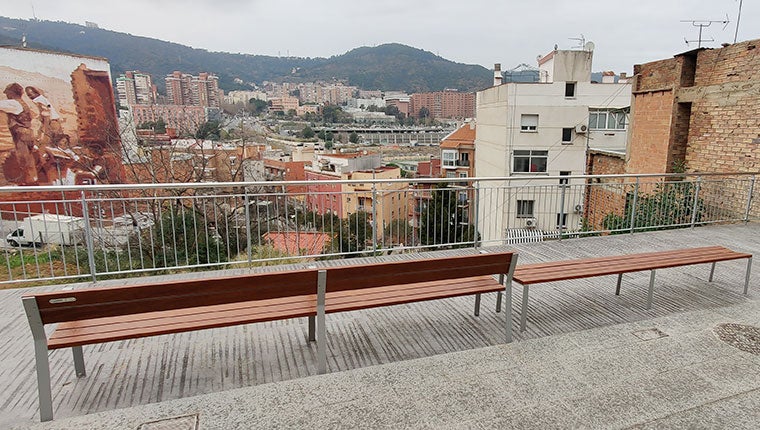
[
  {"x": 530, "y": 222},
  {"x": 581, "y": 128}
]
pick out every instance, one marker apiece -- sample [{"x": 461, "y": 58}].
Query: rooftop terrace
[{"x": 588, "y": 359}]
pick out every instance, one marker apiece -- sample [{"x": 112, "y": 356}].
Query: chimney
[
  {"x": 608, "y": 77},
  {"x": 497, "y": 78},
  {"x": 623, "y": 75}
]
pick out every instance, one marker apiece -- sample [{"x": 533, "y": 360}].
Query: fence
[{"x": 106, "y": 231}]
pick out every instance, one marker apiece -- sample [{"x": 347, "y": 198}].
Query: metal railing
[{"x": 110, "y": 231}]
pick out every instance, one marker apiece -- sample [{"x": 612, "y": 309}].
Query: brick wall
[
  {"x": 649, "y": 135},
  {"x": 604, "y": 196}
]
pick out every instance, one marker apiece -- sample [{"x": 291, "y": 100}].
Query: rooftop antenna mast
[
  {"x": 738, "y": 17},
  {"x": 703, "y": 24},
  {"x": 581, "y": 41}
]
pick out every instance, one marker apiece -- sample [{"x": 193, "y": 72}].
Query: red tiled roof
[
  {"x": 291, "y": 242},
  {"x": 464, "y": 135}
]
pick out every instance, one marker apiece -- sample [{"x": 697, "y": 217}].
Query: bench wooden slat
[
  {"x": 107, "y": 302},
  {"x": 147, "y": 324},
  {"x": 575, "y": 269}
]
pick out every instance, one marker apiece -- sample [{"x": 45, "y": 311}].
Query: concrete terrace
[{"x": 589, "y": 359}]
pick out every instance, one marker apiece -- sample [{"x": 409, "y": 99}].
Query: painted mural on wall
[{"x": 58, "y": 121}]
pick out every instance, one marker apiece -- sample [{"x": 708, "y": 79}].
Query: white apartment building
[{"x": 532, "y": 130}]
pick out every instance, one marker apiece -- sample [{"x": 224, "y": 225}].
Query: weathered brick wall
[
  {"x": 649, "y": 135},
  {"x": 604, "y": 196},
  {"x": 656, "y": 75}
]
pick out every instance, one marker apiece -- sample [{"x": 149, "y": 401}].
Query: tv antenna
[
  {"x": 702, "y": 24},
  {"x": 581, "y": 41}
]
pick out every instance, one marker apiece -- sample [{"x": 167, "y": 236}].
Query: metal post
[
  {"x": 477, "y": 304},
  {"x": 248, "y": 227},
  {"x": 79, "y": 361},
  {"x": 562, "y": 209},
  {"x": 312, "y": 328},
  {"x": 40, "y": 358},
  {"x": 321, "y": 330},
  {"x": 476, "y": 198},
  {"x": 651, "y": 290},
  {"x": 88, "y": 239},
  {"x": 746, "y": 279},
  {"x": 749, "y": 199},
  {"x": 619, "y": 283},
  {"x": 374, "y": 216},
  {"x": 712, "y": 271},
  {"x": 524, "y": 310},
  {"x": 499, "y": 294},
  {"x": 696, "y": 199},
  {"x": 633, "y": 205},
  {"x": 508, "y": 296}
]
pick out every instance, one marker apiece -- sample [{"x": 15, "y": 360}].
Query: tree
[
  {"x": 352, "y": 237},
  {"x": 257, "y": 106},
  {"x": 209, "y": 130},
  {"x": 307, "y": 132},
  {"x": 442, "y": 222},
  {"x": 158, "y": 126},
  {"x": 398, "y": 232},
  {"x": 423, "y": 113},
  {"x": 353, "y": 137}
]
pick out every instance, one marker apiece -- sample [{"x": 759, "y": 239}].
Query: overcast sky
[{"x": 467, "y": 31}]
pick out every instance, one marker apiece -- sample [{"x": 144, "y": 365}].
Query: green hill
[{"x": 386, "y": 67}]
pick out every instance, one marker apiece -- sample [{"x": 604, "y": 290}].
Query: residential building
[
  {"x": 184, "y": 89},
  {"x": 135, "y": 87},
  {"x": 283, "y": 104},
  {"x": 448, "y": 104},
  {"x": 243, "y": 97},
  {"x": 535, "y": 129},
  {"x": 458, "y": 161},
  {"x": 401, "y": 102},
  {"x": 183, "y": 119}
]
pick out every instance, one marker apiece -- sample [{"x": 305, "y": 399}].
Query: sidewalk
[{"x": 667, "y": 372}]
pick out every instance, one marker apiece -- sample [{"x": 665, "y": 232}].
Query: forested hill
[{"x": 386, "y": 67}]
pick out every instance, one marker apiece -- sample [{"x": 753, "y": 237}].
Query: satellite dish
[{"x": 589, "y": 46}]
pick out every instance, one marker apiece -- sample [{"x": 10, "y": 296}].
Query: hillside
[{"x": 387, "y": 67}]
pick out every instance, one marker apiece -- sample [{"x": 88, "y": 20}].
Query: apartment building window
[
  {"x": 464, "y": 159},
  {"x": 449, "y": 158},
  {"x": 525, "y": 208},
  {"x": 561, "y": 220},
  {"x": 564, "y": 181},
  {"x": 451, "y": 174},
  {"x": 567, "y": 135},
  {"x": 606, "y": 119},
  {"x": 528, "y": 122},
  {"x": 570, "y": 89},
  {"x": 530, "y": 161}
]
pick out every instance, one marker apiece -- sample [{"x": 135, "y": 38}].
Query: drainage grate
[
  {"x": 743, "y": 337},
  {"x": 187, "y": 422}
]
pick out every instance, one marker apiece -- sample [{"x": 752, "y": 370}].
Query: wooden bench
[
  {"x": 98, "y": 315},
  {"x": 530, "y": 274}
]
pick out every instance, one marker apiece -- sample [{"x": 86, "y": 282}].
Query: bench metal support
[
  {"x": 321, "y": 330},
  {"x": 746, "y": 280},
  {"x": 498, "y": 295},
  {"x": 524, "y": 309},
  {"x": 40, "y": 358},
  {"x": 507, "y": 280},
  {"x": 79, "y": 361},
  {"x": 712, "y": 272},
  {"x": 477, "y": 304},
  {"x": 312, "y": 328},
  {"x": 619, "y": 283},
  {"x": 651, "y": 290}
]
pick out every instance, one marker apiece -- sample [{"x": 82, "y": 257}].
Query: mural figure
[
  {"x": 51, "y": 131},
  {"x": 20, "y": 165}
]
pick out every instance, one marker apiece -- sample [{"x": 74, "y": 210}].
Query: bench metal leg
[
  {"x": 79, "y": 361},
  {"x": 651, "y": 290},
  {"x": 312, "y": 328},
  {"x": 619, "y": 282},
  {"x": 746, "y": 280},
  {"x": 42, "y": 364},
  {"x": 508, "y": 309},
  {"x": 498, "y": 295},
  {"x": 712, "y": 271},
  {"x": 524, "y": 309},
  {"x": 477, "y": 304},
  {"x": 321, "y": 330}
]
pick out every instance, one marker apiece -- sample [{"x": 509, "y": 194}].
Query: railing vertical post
[
  {"x": 696, "y": 200},
  {"x": 476, "y": 202},
  {"x": 248, "y": 226},
  {"x": 562, "y": 209},
  {"x": 749, "y": 199},
  {"x": 633, "y": 205},
  {"x": 88, "y": 239},
  {"x": 374, "y": 217}
]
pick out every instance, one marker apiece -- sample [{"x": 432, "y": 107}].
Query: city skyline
[{"x": 475, "y": 32}]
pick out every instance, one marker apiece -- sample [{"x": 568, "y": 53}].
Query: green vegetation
[{"x": 443, "y": 222}]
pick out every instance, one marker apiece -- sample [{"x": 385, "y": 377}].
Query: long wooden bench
[
  {"x": 530, "y": 274},
  {"x": 98, "y": 315}
]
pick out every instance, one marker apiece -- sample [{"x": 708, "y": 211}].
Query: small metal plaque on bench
[
  {"x": 63, "y": 300},
  {"x": 187, "y": 422}
]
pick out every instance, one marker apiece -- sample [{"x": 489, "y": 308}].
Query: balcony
[{"x": 578, "y": 339}]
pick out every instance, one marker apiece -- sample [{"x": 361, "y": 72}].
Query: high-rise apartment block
[
  {"x": 189, "y": 90},
  {"x": 449, "y": 104},
  {"x": 135, "y": 88}
]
